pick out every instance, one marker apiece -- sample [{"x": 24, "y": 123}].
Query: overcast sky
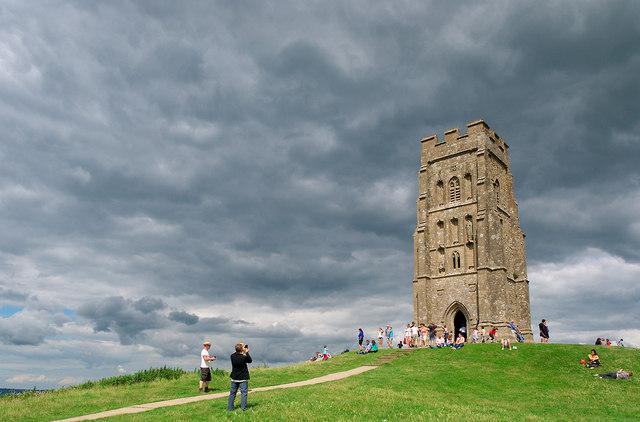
[{"x": 174, "y": 172}]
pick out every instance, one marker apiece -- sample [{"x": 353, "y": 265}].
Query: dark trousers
[
  {"x": 244, "y": 389},
  {"x": 609, "y": 375}
]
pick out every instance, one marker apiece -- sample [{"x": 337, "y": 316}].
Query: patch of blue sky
[
  {"x": 7, "y": 310},
  {"x": 69, "y": 313}
]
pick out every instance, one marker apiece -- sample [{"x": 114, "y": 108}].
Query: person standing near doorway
[
  {"x": 544, "y": 331},
  {"x": 205, "y": 368}
]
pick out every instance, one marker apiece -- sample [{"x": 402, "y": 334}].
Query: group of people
[
  {"x": 424, "y": 335},
  {"x": 434, "y": 336},
  {"x": 370, "y": 347},
  {"x": 606, "y": 342},
  {"x": 593, "y": 361},
  {"x": 321, "y": 356},
  {"x": 239, "y": 373},
  {"x": 384, "y": 336}
]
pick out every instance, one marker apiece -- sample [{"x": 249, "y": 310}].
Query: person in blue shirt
[
  {"x": 325, "y": 353},
  {"x": 360, "y": 337},
  {"x": 516, "y": 330},
  {"x": 367, "y": 349}
]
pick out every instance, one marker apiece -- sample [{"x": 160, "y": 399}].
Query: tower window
[
  {"x": 454, "y": 189},
  {"x": 456, "y": 260},
  {"x": 496, "y": 186}
]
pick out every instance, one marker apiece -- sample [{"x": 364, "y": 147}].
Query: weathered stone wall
[{"x": 468, "y": 246}]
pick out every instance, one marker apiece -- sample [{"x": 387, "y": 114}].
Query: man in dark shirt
[{"x": 239, "y": 376}]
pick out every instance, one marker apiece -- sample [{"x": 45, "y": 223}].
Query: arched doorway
[{"x": 459, "y": 321}]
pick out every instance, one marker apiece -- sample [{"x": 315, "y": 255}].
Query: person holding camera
[{"x": 239, "y": 376}]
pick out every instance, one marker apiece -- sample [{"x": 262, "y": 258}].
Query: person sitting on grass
[
  {"x": 506, "y": 343},
  {"x": 519, "y": 334},
  {"x": 366, "y": 350},
  {"x": 459, "y": 342},
  {"x": 440, "y": 342},
  {"x": 620, "y": 375},
  {"x": 593, "y": 360},
  {"x": 374, "y": 347},
  {"x": 449, "y": 343}
]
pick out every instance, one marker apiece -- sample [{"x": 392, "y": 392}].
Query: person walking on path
[
  {"x": 239, "y": 376},
  {"x": 544, "y": 331},
  {"x": 205, "y": 368}
]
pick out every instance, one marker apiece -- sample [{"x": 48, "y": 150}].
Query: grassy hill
[{"x": 477, "y": 383}]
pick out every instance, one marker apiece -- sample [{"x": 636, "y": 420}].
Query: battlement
[
  {"x": 479, "y": 136},
  {"x": 473, "y": 128}
]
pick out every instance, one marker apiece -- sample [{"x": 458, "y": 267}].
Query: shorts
[
  {"x": 432, "y": 336},
  {"x": 205, "y": 374},
  {"x": 360, "y": 341},
  {"x": 414, "y": 336}
]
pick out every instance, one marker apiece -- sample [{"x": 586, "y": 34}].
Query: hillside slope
[{"x": 478, "y": 382}]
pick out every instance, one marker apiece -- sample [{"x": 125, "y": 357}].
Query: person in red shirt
[{"x": 492, "y": 334}]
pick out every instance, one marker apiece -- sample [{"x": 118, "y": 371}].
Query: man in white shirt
[
  {"x": 205, "y": 369},
  {"x": 414, "y": 335}
]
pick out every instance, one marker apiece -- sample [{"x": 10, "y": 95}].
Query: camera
[{"x": 246, "y": 346}]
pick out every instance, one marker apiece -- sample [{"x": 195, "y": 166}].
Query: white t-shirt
[
  {"x": 204, "y": 363},
  {"x": 414, "y": 331}
]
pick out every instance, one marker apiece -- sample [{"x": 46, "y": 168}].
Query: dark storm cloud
[
  {"x": 12, "y": 295},
  {"x": 121, "y": 316},
  {"x": 149, "y": 304},
  {"x": 183, "y": 317},
  {"x": 283, "y": 194}
]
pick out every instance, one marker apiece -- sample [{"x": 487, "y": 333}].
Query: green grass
[{"x": 477, "y": 383}]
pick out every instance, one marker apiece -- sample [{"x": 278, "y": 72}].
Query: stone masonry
[{"x": 469, "y": 254}]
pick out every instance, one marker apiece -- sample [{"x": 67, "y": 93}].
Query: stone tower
[{"x": 469, "y": 255}]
